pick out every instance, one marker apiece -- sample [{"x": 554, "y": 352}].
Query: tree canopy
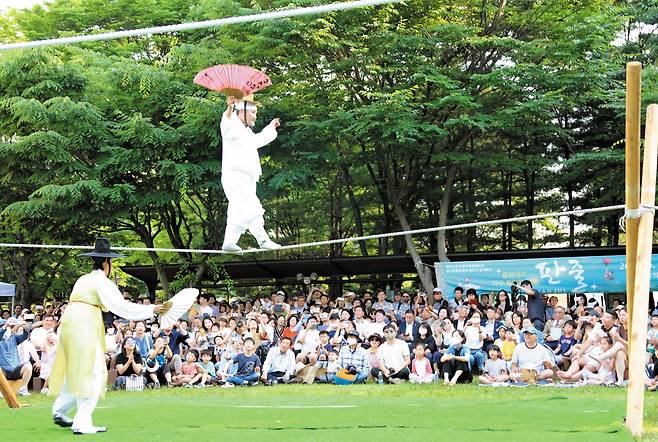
[{"x": 400, "y": 116}]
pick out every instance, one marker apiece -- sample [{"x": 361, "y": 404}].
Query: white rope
[
  {"x": 331, "y": 241},
  {"x": 634, "y": 214},
  {"x": 198, "y": 25}
]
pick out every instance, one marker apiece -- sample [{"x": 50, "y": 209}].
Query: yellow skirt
[{"x": 81, "y": 332}]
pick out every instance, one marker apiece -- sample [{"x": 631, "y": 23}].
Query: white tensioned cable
[
  {"x": 199, "y": 24},
  {"x": 331, "y": 241}
]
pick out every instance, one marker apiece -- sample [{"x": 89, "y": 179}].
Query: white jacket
[{"x": 240, "y": 146}]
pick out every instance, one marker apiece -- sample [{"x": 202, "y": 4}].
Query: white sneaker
[
  {"x": 44, "y": 390},
  {"x": 228, "y": 385},
  {"x": 23, "y": 392},
  {"x": 269, "y": 245},
  {"x": 90, "y": 430},
  {"x": 231, "y": 248}
]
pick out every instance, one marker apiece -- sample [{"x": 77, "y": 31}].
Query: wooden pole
[
  {"x": 633, "y": 112},
  {"x": 637, "y": 346},
  {"x": 8, "y": 392}
]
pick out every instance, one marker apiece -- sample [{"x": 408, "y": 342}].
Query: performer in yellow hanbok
[{"x": 79, "y": 374}]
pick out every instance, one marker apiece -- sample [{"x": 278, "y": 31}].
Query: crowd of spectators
[{"x": 511, "y": 339}]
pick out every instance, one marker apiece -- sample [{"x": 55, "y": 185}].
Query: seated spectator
[
  {"x": 475, "y": 335},
  {"x": 531, "y": 361},
  {"x": 279, "y": 364},
  {"x": 652, "y": 335},
  {"x": 527, "y": 323},
  {"x": 191, "y": 372},
  {"x": 143, "y": 340},
  {"x": 375, "y": 341},
  {"x": 354, "y": 358},
  {"x": 554, "y": 327},
  {"x": 248, "y": 366},
  {"x": 225, "y": 368},
  {"x": 506, "y": 344},
  {"x": 408, "y": 329},
  {"x": 157, "y": 363},
  {"x": 565, "y": 344},
  {"x": 455, "y": 362},
  {"x": 208, "y": 366},
  {"x": 495, "y": 369},
  {"x": 309, "y": 340},
  {"x": 605, "y": 375},
  {"x": 462, "y": 318},
  {"x": 421, "y": 368},
  {"x": 13, "y": 334},
  {"x": 394, "y": 358},
  {"x": 426, "y": 339},
  {"x": 128, "y": 363}
]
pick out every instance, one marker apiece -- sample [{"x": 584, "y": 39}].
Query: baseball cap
[
  {"x": 436, "y": 289},
  {"x": 334, "y": 316},
  {"x": 355, "y": 334},
  {"x": 531, "y": 330}
]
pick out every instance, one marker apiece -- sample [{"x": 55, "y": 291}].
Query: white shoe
[
  {"x": 23, "y": 392},
  {"x": 228, "y": 385},
  {"x": 90, "y": 430},
  {"x": 231, "y": 248},
  {"x": 268, "y": 244},
  {"x": 44, "y": 390}
]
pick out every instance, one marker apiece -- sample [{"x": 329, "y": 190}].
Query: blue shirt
[
  {"x": 566, "y": 343},
  {"x": 9, "y": 359},
  {"x": 463, "y": 351},
  {"x": 246, "y": 364}
]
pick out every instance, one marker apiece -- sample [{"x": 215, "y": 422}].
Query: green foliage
[{"x": 519, "y": 103}]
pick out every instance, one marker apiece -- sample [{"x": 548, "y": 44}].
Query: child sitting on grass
[
  {"x": 421, "y": 368},
  {"x": 191, "y": 372},
  {"x": 495, "y": 368},
  {"x": 566, "y": 344},
  {"x": 208, "y": 366},
  {"x": 248, "y": 365},
  {"x": 506, "y": 343}
]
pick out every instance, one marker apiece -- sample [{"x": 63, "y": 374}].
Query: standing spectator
[
  {"x": 354, "y": 358},
  {"x": 402, "y": 306},
  {"x": 455, "y": 362},
  {"x": 279, "y": 364},
  {"x": 382, "y": 303},
  {"x": 10, "y": 364},
  {"x": 248, "y": 366},
  {"x": 421, "y": 369},
  {"x": 394, "y": 357},
  {"x": 536, "y": 306}
]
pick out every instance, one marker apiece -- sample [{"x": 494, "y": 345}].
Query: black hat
[{"x": 102, "y": 250}]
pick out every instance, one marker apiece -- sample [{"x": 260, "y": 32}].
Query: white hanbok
[{"x": 240, "y": 172}]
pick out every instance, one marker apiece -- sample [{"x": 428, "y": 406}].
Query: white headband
[{"x": 240, "y": 105}]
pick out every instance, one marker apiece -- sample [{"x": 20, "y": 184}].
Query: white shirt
[
  {"x": 240, "y": 145},
  {"x": 530, "y": 358},
  {"x": 472, "y": 335},
  {"x": 392, "y": 355}
]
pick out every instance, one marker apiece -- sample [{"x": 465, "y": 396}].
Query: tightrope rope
[
  {"x": 273, "y": 15},
  {"x": 331, "y": 241}
]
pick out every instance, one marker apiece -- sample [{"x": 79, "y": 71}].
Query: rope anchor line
[
  {"x": 181, "y": 27},
  {"x": 577, "y": 212}
]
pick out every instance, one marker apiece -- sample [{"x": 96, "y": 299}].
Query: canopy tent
[{"x": 8, "y": 291}]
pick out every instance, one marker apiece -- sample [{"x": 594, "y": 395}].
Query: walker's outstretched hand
[{"x": 276, "y": 123}]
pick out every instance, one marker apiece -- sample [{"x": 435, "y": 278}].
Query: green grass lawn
[{"x": 337, "y": 413}]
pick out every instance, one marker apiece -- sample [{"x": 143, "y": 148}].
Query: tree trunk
[
  {"x": 356, "y": 210},
  {"x": 530, "y": 206},
  {"x": 443, "y": 214}
]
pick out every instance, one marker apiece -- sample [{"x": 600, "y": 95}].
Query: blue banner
[{"x": 583, "y": 274}]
